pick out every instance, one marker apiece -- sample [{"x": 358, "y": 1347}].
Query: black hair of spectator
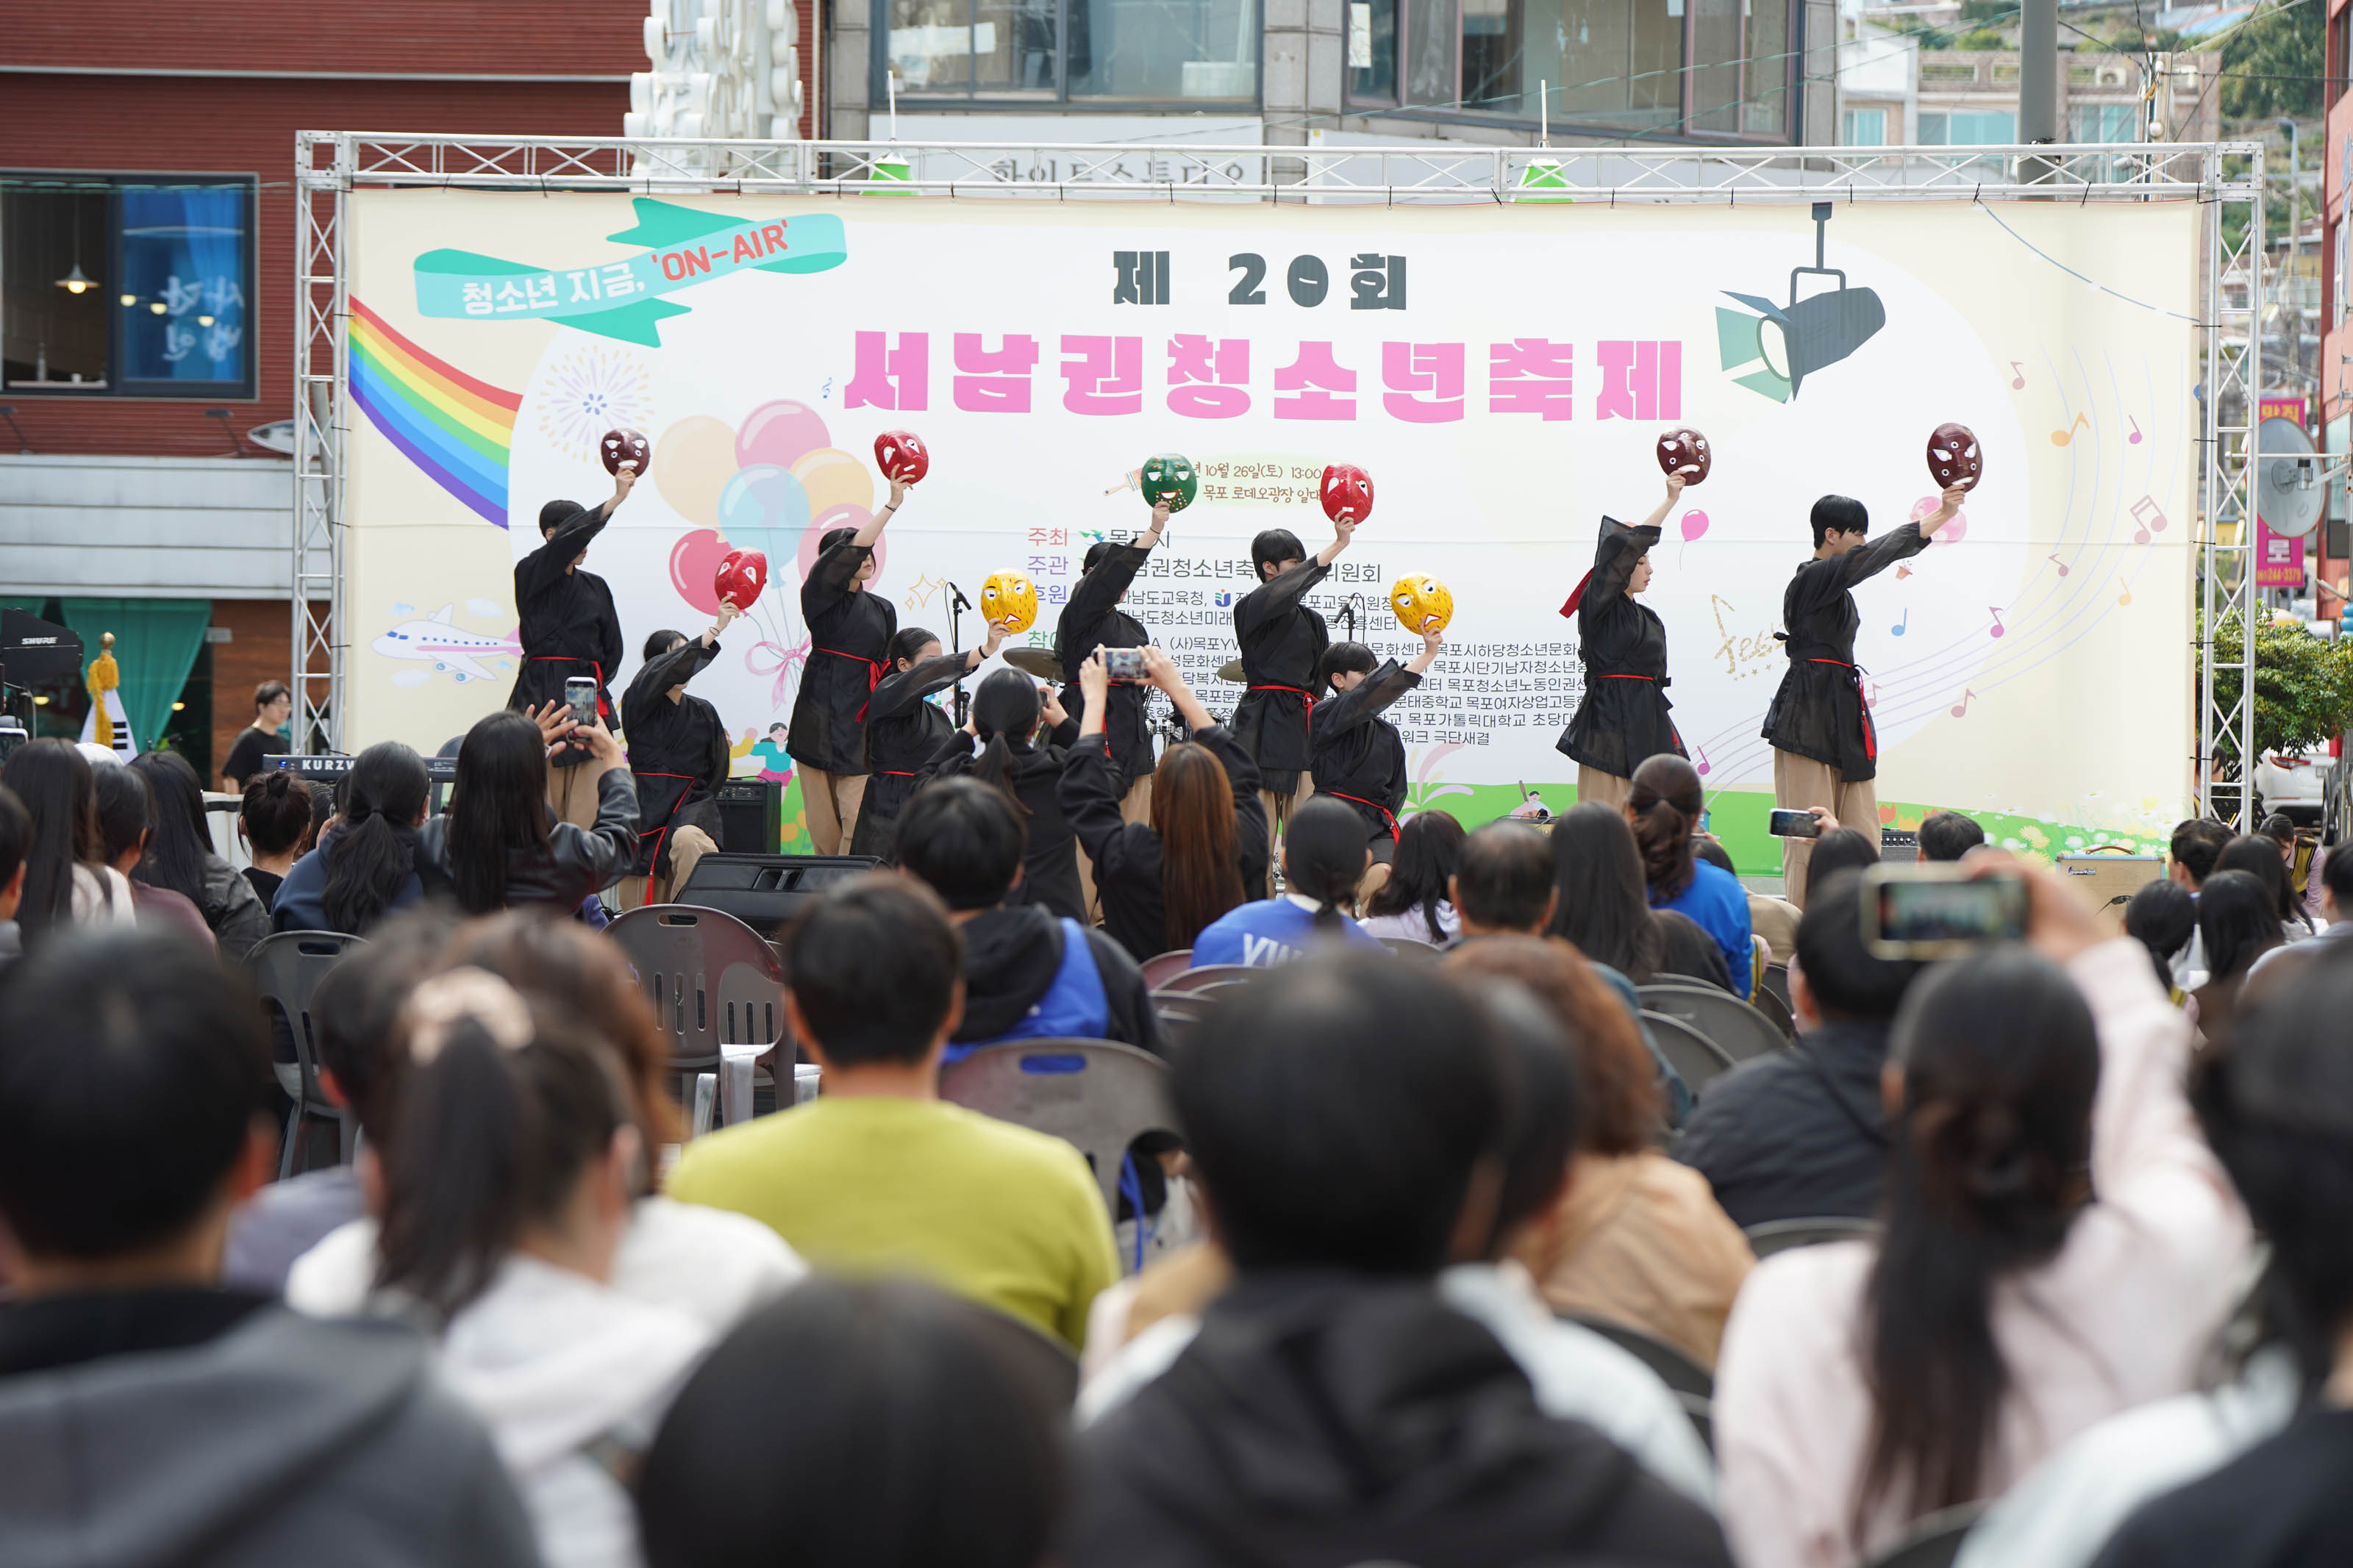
[
  {"x": 1342, "y": 659},
  {"x": 1988, "y": 1169},
  {"x": 131, "y": 1068},
  {"x": 1273, "y": 546},
  {"x": 1949, "y": 834},
  {"x": 276, "y": 811},
  {"x": 1429, "y": 850},
  {"x": 2196, "y": 842},
  {"x": 1686, "y": 950},
  {"x": 1845, "y": 979},
  {"x": 2160, "y": 916},
  {"x": 1544, "y": 1119},
  {"x": 52, "y": 781},
  {"x": 1839, "y": 850},
  {"x": 2278, "y": 1110},
  {"x": 355, "y": 1013},
  {"x": 1335, "y": 1112},
  {"x": 15, "y": 835},
  {"x": 1841, "y": 514},
  {"x": 498, "y": 806},
  {"x": 2238, "y": 921},
  {"x": 375, "y": 852},
  {"x": 862, "y": 1426},
  {"x": 1707, "y": 848},
  {"x": 1006, "y": 710},
  {"x": 1325, "y": 856},
  {"x": 2337, "y": 876},
  {"x": 267, "y": 692},
  {"x": 2260, "y": 856},
  {"x": 2279, "y": 827},
  {"x": 874, "y": 968},
  {"x": 126, "y": 809},
  {"x": 1503, "y": 876},
  {"x": 179, "y": 839},
  {"x": 964, "y": 840},
  {"x": 1604, "y": 909}
]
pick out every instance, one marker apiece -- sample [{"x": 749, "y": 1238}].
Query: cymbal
[
  {"x": 1037, "y": 661},
  {"x": 1231, "y": 671}
]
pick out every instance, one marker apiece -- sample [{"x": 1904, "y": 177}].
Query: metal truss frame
[{"x": 2225, "y": 178}]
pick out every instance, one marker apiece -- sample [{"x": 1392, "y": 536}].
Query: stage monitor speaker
[
  {"x": 2108, "y": 882},
  {"x": 751, "y": 817},
  {"x": 1898, "y": 844},
  {"x": 765, "y": 891}
]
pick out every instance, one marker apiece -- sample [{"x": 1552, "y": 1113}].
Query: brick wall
[
  {"x": 260, "y": 647},
  {"x": 554, "y": 37}
]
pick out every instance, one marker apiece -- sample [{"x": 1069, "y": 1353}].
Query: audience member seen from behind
[
  {"x": 1948, "y": 835},
  {"x": 15, "y": 849},
  {"x": 1346, "y": 1120},
  {"x": 1502, "y": 881},
  {"x": 2033, "y": 1276},
  {"x": 1603, "y": 906},
  {"x": 364, "y": 867},
  {"x": 1687, "y": 952},
  {"x": 1203, "y": 852},
  {"x": 66, "y": 879},
  {"x": 498, "y": 844},
  {"x": 275, "y": 823},
  {"x": 1028, "y": 973},
  {"x": 1839, "y": 849},
  {"x": 879, "y": 1174},
  {"x": 2332, "y": 876},
  {"x": 1801, "y": 1135},
  {"x": 507, "y": 1186},
  {"x": 2195, "y": 844},
  {"x": 867, "y": 1425},
  {"x": 714, "y": 1266},
  {"x": 126, "y": 817},
  {"x": 1636, "y": 1237},
  {"x": 2281, "y": 829},
  {"x": 180, "y": 857},
  {"x": 1010, "y": 745},
  {"x": 1413, "y": 904},
  {"x": 2162, "y": 915},
  {"x": 1663, "y": 808},
  {"x": 2260, "y": 857},
  {"x": 1324, "y": 859},
  {"x": 131, "y": 1126},
  {"x": 273, "y": 705},
  {"x": 2238, "y": 923}
]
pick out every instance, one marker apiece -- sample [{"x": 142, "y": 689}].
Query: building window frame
[{"x": 1057, "y": 101}]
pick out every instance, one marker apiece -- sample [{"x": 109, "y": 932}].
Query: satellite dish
[{"x": 2289, "y": 493}]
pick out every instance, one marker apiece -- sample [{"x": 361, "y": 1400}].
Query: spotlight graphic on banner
[{"x": 1776, "y": 349}]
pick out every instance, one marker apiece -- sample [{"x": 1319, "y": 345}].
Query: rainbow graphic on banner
[{"x": 454, "y": 428}]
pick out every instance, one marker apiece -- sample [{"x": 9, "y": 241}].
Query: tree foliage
[
  {"x": 2272, "y": 64},
  {"x": 2303, "y": 686}
]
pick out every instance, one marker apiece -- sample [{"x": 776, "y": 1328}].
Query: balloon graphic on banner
[
  {"x": 781, "y": 433},
  {"x": 693, "y": 461},
  {"x": 693, "y": 563},
  {"x": 839, "y": 517},
  {"x": 1953, "y": 531},
  {"x": 764, "y": 508},
  {"x": 833, "y": 478},
  {"x": 1694, "y": 524}
]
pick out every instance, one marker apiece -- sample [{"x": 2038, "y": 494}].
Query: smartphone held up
[
  {"x": 1939, "y": 910},
  {"x": 1786, "y": 822}
]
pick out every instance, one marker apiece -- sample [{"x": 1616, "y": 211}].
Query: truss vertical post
[
  {"x": 318, "y": 608},
  {"x": 2226, "y": 578}
]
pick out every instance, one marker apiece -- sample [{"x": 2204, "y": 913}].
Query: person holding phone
[
  {"x": 1093, "y": 619},
  {"x": 569, "y": 627},
  {"x": 850, "y": 645},
  {"x": 679, "y": 755},
  {"x": 1825, "y": 747},
  {"x": 1282, "y": 642},
  {"x": 1622, "y": 718}
]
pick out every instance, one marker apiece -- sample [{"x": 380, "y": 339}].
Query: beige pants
[
  {"x": 1275, "y": 822},
  {"x": 1135, "y": 805},
  {"x": 1800, "y": 782},
  {"x": 830, "y": 802},
  {"x": 1604, "y": 789},
  {"x": 1376, "y": 876},
  {"x": 687, "y": 846},
  {"x": 571, "y": 793}
]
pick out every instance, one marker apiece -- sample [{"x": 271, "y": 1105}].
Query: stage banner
[{"x": 1502, "y": 372}]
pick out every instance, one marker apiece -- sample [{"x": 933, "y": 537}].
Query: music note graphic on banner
[
  {"x": 2125, "y": 597},
  {"x": 1997, "y": 628},
  {"x": 1962, "y": 710},
  {"x": 2146, "y": 512},
  {"x": 2055, "y": 559},
  {"x": 1898, "y": 627},
  {"x": 2017, "y": 376},
  {"x": 1699, "y": 760},
  {"x": 2135, "y": 438},
  {"x": 2061, "y": 438}
]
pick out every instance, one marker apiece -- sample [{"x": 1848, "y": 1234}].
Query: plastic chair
[
  {"x": 1410, "y": 947},
  {"x": 1096, "y": 1094},
  {"x": 1775, "y": 981},
  {"x": 1675, "y": 1369},
  {"x": 1781, "y": 1235},
  {"x": 1760, "y": 959},
  {"x": 717, "y": 989},
  {"x": 1739, "y": 1030},
  {"x": 1209, "y": 977},
  {"x": 1934, "y": 1541},
  {"x": 1774, "y": 1008},
  {"x": 1162, "y": 967},
  {"x": 286, "y": 967},
  {"x": 1696, "y": 1059},
  {"x": 1182, "y": 1009}
]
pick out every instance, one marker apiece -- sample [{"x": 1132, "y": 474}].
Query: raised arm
[
  {"x": 547, "y": 563},
  {"x": 611, "y": 844},
  {"x": 1897, "y": 543},
  {"x": 1162, "y": 671},
  {"x": 1658, "y": 518},
  {"x": 1249, "y": 813},
  {"x": 1089, "y": 791},
  {"x": 1282, "y": 593},
  {"x": 865, "y": 537},
  {"x": 899, "y": 691},
  {"x": 953, "y": 757}
]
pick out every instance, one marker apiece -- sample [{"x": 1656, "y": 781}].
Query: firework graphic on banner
[{"x": 593, "y": 391}]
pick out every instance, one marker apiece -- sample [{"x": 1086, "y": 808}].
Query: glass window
[
  {"x": 1618, "y": 64},
  {"x": 122, "y": 286},
  {"x": 1765, "y": 69},
  {"x": 2103, "y": 122},
  {"x": 1990, "y": 128},
  {"x": 1864, "y": 128},
  {"x": 1434, "y": 28},
  {"x": 1372, "y": 50},
  {"x": 1140, "y": 50}
]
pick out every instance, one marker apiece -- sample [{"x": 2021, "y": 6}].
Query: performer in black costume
[
  {"x": 1825, "y": 747},
  {"x": 1282, "y": 641},
  {"x": 1622, "y": 719},
  {"x": 850, "y": 637},
  {"x": 1358, "y": 755},
  {"x": 1092, "y": 619},
  {"x": 902, "y": 730},
  {"x": 678, "y": 751},
  {"x": 567, "y": 626}
]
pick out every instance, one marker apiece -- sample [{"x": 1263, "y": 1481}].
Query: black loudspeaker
[
  {"x": 765, "y": 891},
  {"x": 751, "y": 817},
  {"x": 1898, "y": 844}
]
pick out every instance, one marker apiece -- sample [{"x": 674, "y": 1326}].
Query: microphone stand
[{"x": 957, "y": 605}]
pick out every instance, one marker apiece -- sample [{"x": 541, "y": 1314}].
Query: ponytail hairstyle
[
  {"x": 1193, "y": 814},
  {"x": 1428, "y": 847},
  {"x": 1004, "y": 712},
  {"x": 504, "y": 1104},
  {"x": 2161, "y": 917},
  {"x": 53, "y": 781},
  {"x": 1340, "y": 658},
  {"x": 906, "y": 645},
  {"x": 1990, "y": 1165},
  {"x": 1273, "y": 547},
  {"x": 498, "y": 806},
  {"x": 1324, "y": 857},
  {"x": 126, "y": 810},
  {"x": 1665, "y": 806},
  {"x": 179, "y": 839},
  {"x": 375, "y": 849},
  {"x": 276, "y": 813}
]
